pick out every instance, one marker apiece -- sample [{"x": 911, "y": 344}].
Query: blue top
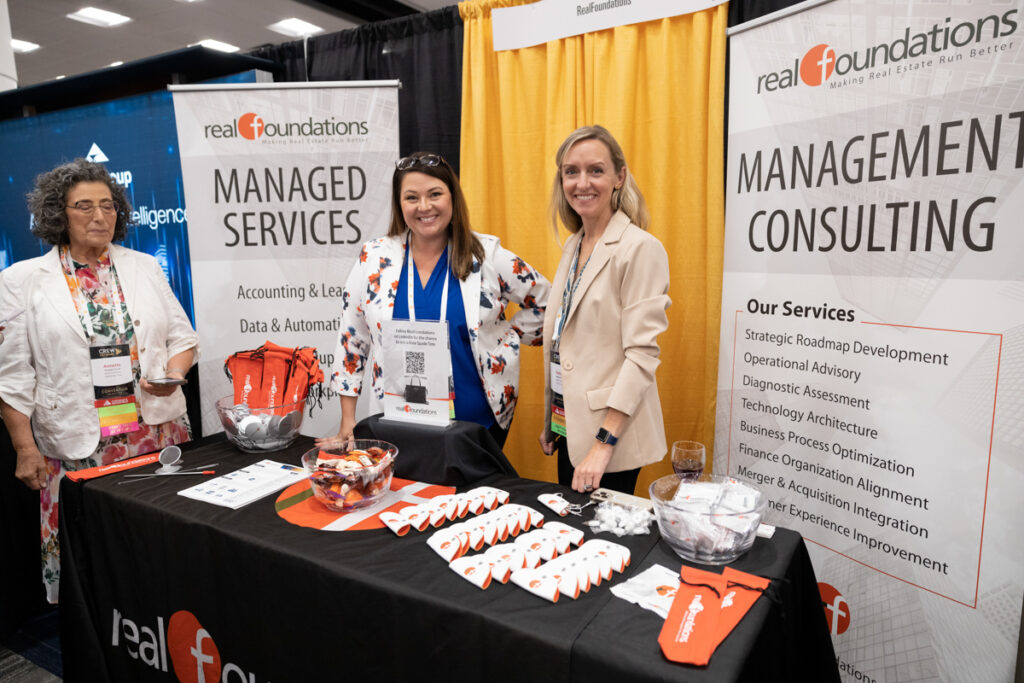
[{"x": 470, "y": 400}]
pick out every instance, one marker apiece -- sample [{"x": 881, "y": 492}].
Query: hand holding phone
[{"x": 167, "y": 381}]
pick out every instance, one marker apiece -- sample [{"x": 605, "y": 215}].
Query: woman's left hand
[
  {"x": 587, "y": 476},
  {"x": 160, "y": 389}
]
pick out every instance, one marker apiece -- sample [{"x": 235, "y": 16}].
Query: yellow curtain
[{"x": 659, "y": 88}]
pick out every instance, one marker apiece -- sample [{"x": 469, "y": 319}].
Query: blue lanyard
[
  {"x": 411, "y": 284},
  {"x": 571, "y": 283}
]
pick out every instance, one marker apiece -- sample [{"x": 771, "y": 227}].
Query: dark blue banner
[{"x": 136, "y": 139}]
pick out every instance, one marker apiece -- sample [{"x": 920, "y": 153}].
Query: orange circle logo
[
  {"x": 817, "y": 65},
  {"x": 837, "y": 610},
  {"x": 194, "y": 655},
  {"x": 250, "y": 126}
]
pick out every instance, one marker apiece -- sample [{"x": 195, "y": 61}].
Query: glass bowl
[
  {"x": 257, "y": 430},
  {"x": 351, "y": 474},
  {"x": 712, "y": 520}
]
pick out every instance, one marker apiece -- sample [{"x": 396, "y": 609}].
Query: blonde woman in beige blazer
[{"x": 601, "y": 340}]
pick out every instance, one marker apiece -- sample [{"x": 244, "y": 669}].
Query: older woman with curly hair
[{"x": 89, "y": 372}]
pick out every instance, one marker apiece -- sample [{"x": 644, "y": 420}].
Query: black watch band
[{"x": 604, "y": 436}]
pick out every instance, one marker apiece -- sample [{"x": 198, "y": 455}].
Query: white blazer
[{"x": 44, "y": 362}]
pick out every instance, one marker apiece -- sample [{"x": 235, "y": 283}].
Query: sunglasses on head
[{"x": 405, "y": 163}]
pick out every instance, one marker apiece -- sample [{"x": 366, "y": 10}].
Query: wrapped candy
[{"x": 621, "y": 520}]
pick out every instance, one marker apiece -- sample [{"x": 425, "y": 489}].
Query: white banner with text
[
  {"x": 871, "y": 374},
  {"x": 283, "y": 183}
]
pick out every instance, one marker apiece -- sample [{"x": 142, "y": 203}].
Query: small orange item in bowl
[{"x": 354, "y": 474}]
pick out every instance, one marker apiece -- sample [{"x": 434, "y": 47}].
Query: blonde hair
[{"x": 627, "y": 199}]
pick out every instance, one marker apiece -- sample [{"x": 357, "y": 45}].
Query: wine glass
[{"x": 688, "y": 459}]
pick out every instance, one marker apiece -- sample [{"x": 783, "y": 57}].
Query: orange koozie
[
  {"x": 741, "y": 592},
  {"x": 690, "y": 633}
]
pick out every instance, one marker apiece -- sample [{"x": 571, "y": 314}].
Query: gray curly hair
[{"x": 46, "y": 201}]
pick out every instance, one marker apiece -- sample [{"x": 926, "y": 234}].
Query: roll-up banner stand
[
  {"x": 872, "y": 338},
  {"x": 284, "y": 182}
]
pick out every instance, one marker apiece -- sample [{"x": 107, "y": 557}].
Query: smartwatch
[{"x": 604, "y": 436}]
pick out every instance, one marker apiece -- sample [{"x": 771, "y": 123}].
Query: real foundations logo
[
  {"x": 823, "y": 62},
  {"x": 254, "y": 126},
  {"x": 837, "y": 610},
  {"x": 184, "y": 646}
]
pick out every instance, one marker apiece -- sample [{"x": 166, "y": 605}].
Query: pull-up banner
[
  {"x": 872, "y": 339},
  {"x": 284, "y": 182}
]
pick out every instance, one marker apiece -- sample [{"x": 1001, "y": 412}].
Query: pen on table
[{"x": 166, "y": 474}]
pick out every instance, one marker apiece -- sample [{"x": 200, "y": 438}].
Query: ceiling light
[
  {"x": 295, "y": 28},
  {"x": 98, "y": 17},
  {"x": 217, "y": 45},
  {"x": 61, "y": 77},
  {"x": 22, "y": 46},
  {"x": 115, "y": 64}
]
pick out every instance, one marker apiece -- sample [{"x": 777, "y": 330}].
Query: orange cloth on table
[{"x": 705, "y": 610}]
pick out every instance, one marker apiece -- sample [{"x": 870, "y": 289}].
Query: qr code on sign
[{"x": 415, "y": 362}]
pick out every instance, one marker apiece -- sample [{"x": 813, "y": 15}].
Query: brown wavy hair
[{"x": 465, "y": 245}]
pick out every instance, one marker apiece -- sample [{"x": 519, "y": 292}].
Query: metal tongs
[{"x": 169, "y": 459}]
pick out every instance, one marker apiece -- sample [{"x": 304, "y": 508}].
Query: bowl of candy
[
  {"x": 257, "y": 430},
  {"x": 349, "y": 475},
  {"x": 712, "y": 520}
]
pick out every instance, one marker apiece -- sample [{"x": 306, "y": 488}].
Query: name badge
[
  {"x": 557, "y": 401},
  {"x": 114, "y": 389}
]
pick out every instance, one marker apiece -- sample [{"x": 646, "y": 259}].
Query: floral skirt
[{"x": 147, "y": 439}]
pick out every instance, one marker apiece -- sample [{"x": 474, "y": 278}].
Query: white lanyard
[{"x": 411, "y": 284}]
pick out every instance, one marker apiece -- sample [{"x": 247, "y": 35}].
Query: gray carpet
[
  {"x": 16, "y": 669},
  {"x": 32, "y": 653}
]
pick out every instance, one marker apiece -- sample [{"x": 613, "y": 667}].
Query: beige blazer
[{"x": 609, "y": 344}]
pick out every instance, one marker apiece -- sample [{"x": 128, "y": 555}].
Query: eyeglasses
[
  {"x": 86, "y": 207},
  {"x": 405, "y": 163}
]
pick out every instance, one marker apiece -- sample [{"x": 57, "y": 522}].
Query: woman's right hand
[
  {"x": 345, "y": 433},
  {"x": 31, "y": 468},
  {"x": 547, "y": 446}
]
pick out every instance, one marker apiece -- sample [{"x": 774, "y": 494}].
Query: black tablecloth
[
  {"x": 286, "y": 603},
  {"x": 461, "y": 453},
  {"x": 21, "y": 579}
]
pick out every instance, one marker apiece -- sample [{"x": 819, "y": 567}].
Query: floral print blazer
[{"x": 503, "y": 277}]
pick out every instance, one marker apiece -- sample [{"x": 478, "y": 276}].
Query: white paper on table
[
  {"x": 653, "y": 589},
  {"x": 241, "y": 487}
]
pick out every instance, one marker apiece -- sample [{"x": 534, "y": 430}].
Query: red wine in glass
[
  {"x": 688, "y": 469},
  {"x": 688, "y": 459}
]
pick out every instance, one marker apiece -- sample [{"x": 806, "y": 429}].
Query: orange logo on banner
[
  {"x": 250, "y": 126},
  {"x": 837, "y": 610},
  {"x": 817, "y": 65},
  {"x": 194, "y": 655}
]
